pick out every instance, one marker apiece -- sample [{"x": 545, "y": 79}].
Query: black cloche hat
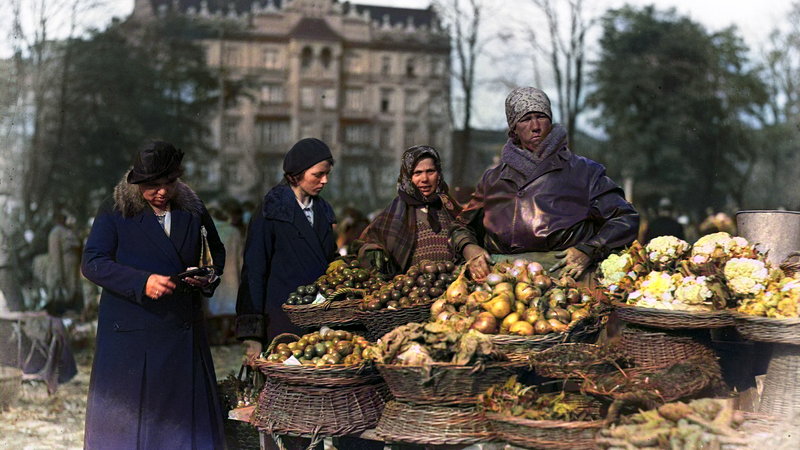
[{"x": 157, "y": 159}]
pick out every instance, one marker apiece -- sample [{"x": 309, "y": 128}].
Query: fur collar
[{"x": 129, "y": 201}]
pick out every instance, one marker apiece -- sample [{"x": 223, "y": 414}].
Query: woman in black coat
[
  {"x": 290, "y": 242},
  {"x": 152, "y": 383}
]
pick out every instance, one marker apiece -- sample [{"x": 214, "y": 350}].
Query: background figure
[
  {"x": 222, "y": 305},
  {"x": 349, "y": 228},
  {"x": 63, "y": 275},
  {"x": 664, "y": 224}
]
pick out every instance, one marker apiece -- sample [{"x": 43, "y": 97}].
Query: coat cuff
[
  {"x": 596, "y": 253},
  {"x": 251, "y": 326}
]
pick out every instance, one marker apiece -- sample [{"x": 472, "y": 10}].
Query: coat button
[{"x": 520, "y": 194}]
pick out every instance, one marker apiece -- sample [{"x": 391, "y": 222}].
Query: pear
[
  {"x": 499, "y": 306},
  {"x": 521, "y": 328},
  {"x": 510, "y": 320},
  {"x": 531, "y": 315}
]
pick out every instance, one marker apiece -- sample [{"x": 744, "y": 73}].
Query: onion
[
  {"x": 534, "y": 269},
  {"x": 493, "y": 279},
  {"x": 438, "y": 306},
  {"x": 524, "y": 292},
  {"x": 485, "y": 323},
  {"x": 521, "y": 263}
]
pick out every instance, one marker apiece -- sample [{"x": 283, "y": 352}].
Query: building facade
[{"x": 368, "y": 80}]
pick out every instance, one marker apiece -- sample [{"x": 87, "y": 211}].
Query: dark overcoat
[
  {"x": 282, "y": 252},
  {"x": 152, "y": 384}
]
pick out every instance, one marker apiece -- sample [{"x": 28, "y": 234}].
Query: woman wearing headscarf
[
  {"x": 153, "y": 382},
  {"x": 414, "y": 227},
  {"x": 290, "y": 242},
  {"x": 542, "y": 200}
]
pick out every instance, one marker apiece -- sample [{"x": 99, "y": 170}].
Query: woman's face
[
  {"x": 425, "y": 176},
  {"x": 315, "y": 178},
  {"x": 159, "y": 192},
  {"x": 532, "y": 129}
]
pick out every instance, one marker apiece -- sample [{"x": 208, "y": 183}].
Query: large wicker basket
[
  {"x": 325, "y": 376},
  {"x": 315, "y": 411},
  {"x": 673, "y": 320},
  {"x": 383, "y": 321},
  {"x": 544, "y": 434},
  {"x": 585, "y": 330},
  {"x": 330, "y": 313},
  {"x": 653, "y": 348},
  {"x": 765, "y": 329},
  {"x": 432, "y": 425},
  {"x": 444, "y": 383},
  {"x": 781, "y": 396},
  {"x": 574, "y": 360}
]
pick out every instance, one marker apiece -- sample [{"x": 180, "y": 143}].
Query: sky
[{"x": 755, "y": 19}]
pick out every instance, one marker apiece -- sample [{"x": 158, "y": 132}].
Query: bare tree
[
  {"x": 467, "y": 44},
  {"x": 564, "y": 48}
]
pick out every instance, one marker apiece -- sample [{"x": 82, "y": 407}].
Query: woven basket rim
[
  {"x": 450, "y": 365},
  {"x": 766, "y": 320},
  {"x": 583, "y": 326},
  {"x": 673, "y": 319},
  {"x": 388, "y": 311},
  {"x": 327, "y": 304}
]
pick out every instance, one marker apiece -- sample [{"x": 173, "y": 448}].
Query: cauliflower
[
  {"x": 614, "y": 268},
  {"x": 720, "y": 246},
  {"x": 666, "y": 249},
  {"x": 693, "y": 290},
  {"x": 654, "y": 288},
  {"x": 746, "y": 276}
]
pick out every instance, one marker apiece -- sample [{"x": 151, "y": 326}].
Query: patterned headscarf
[
  {"x": 395, "y": 227},
  {"x": 523, "y": 100}
]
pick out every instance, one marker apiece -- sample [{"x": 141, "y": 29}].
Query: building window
[
  {"x": 273, "y": 132},
  {"x": 327, "y": 133},
  {"x": 232, "y": 172},
  {"x": 412, "y": 101},
  {"x": 386, "y": 100},
  {"x": 326, "y": 57},
  {"x": 386, "y": 65},
  {"x": 411, "y": 68},
  {"x": 329, "y": 99},
  {"x": 273, "y": 93},
  {"x": 230, "y": 130},
  {"x": 354, "y": 99},
  {"x": 271, "y": 58},
  {"x": 357, "y": 134},
  {"x": 355, "y": 64},
  {"x": 385, "y": 137},
  {"x": 233, "y": 56},
  {"x": 438, "y": 66},
  {"x": 307, "y": 97},
  {"x": 411, "y": 135},
  {"x": 306, "y": 131},
  {"x": 305, "y": 57},
  {"x": 436, "y": 105}
]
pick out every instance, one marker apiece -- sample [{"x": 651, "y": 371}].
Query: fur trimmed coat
[
  {"x": 152, "y": 383},
  {"x": 282, "y": 252}
]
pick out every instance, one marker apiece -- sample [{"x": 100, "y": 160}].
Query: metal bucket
[{"x": 776, "y": 232}]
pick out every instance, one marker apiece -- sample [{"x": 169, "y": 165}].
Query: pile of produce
[
  {"x": 421, "y": 283},
  {"x": 779, "y": 300},
  {"x": 339, "y": 275},
  {"x": 517, "y": 298},
  {"x": 322, "y": 348},
  {"x": 700, "y": 424},
  {"x": 417, "y": 344},
  {"x": 516, "y": 399},
  {"x": 717, "y": 272}
]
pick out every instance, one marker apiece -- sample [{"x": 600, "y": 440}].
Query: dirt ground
[{"x": 38, "y": 421}]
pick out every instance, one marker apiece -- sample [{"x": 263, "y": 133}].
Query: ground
[{"x": 38, "y": 421}]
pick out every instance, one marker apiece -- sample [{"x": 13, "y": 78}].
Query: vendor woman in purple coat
[
  {"x": 153, "y": 383},
  {"x": 542, "y": 202}
]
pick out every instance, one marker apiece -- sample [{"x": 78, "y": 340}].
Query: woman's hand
[
  {"x": 573, "y": 262},
  {"x": 478, "y": 261},
  {"x": 200, "y": 281},
  {"x": 252, "y": 349},
  {"x": 158, "y": 285}
]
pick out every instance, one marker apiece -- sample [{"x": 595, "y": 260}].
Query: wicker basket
[
  {"x": 331, "y": 313},
  {"x": 765, "y": 329},
  {"x": 585, "y": 330},
  {"x": 594, "y": 359},
  {"x": 319, "y": 411},
  {"x": 654, "y": 348},
  {"x": 673, "y": 320},
  {"x": 781, "y": 396},
  {"x": 432, "y": 425},
  {"x": 307, "y": 375},
  {"x": 383, "y": 321},
  {"x": 695, "y": 379},
  {"x": 444, "y": 383},
  {"x": 544, "y": 434}
]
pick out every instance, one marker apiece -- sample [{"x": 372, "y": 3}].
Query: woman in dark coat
[
  {"x": 543, "y": 200},
  {"x": 290, "y": 242},
  {"x": 153, "y": 382},
  {"x": 414, "y": 227}
]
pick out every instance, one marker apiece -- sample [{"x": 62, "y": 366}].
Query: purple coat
[
  {"x": 152, "y": 383},
  {"x": 560, "y": 201}
]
